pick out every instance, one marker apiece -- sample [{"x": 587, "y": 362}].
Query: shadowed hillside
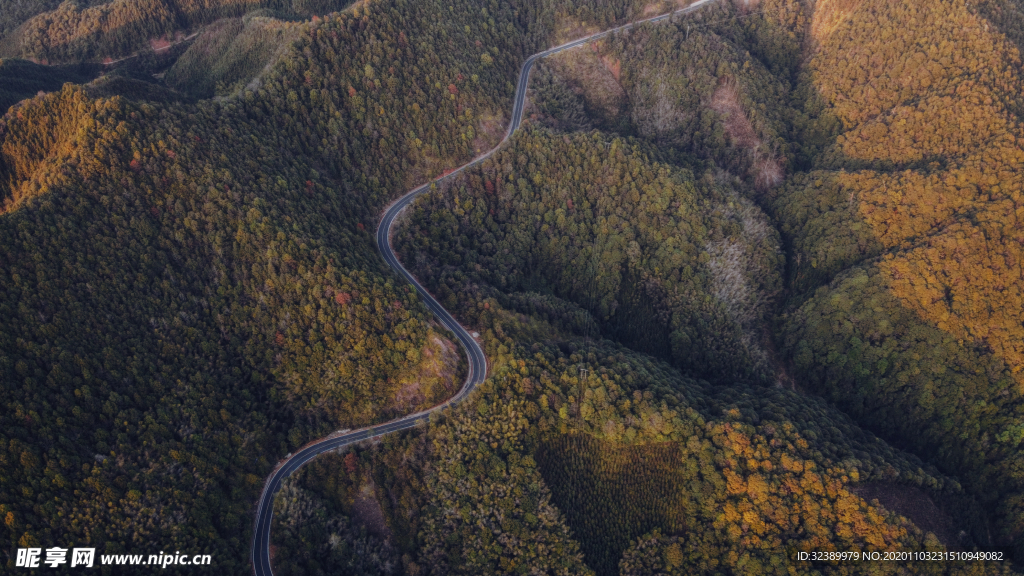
[{"x": 703, "y": 222}]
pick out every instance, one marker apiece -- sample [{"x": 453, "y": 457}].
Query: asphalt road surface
[{"x": 477, "y": 361}]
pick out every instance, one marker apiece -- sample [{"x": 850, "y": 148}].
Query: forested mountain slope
[
  {"x": 709, "y": 88},
  {"x": 15, "y": 12},
  {"x": 231, "y": 54},
  {"x": 191, "y": 291},
  {"x": 913, "y": 181},
  {"x": 77, "y": 32},
  {"x": 676, "y": 267},
  {"x": 906, "y": 235},
  {"x": 628, "y": 468},
  {"x": 20, "y": 79},
  {"x": 898, "y": 126}
]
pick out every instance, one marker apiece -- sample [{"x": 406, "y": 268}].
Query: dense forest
[
  {"x": 726, "y": 108},
  {"x": 86, "y": 31},
  {"x": 900, "y": 210},
  {"x": 20, "y": 79},
  {"x": 906, "y": 235},
  {"x": 15, "y": 12},
  {"x": 749, "y": 281},
  {"x": 669, "y": 265},
  {"x": 559, "y": 217},
  {"x": 230, "y": 54},
  {"x": 189, "y": 291},
  {"x": 628, "y": 468}
]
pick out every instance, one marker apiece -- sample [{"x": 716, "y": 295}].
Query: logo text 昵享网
[{"x": 86, "y": 557}]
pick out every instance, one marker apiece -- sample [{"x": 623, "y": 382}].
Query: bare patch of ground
[
  {"x": 567, "y": 30},
  {"x": 655, "y": 109},
  {"x": 746, "y": 5},
  {"x": 158, "y": 44},
  {"x": 614, "y": 66},
  {"x": 664, "y": 6},
  {"x": 490, "y": 131},
  {"x": 652, "y": 9},
  {"x": 766, "y": 168},
  {"x": 367, "y": 512},
  {"x": 914, "y": 504},
  {"x": 726, "y": 102},
  {"x": 433, "y": 378},
  {"x": 829, "y": 15},
  {"x": 594, "y": 78}
]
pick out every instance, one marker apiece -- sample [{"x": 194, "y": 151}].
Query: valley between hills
[{"x": 726, "y": 284}]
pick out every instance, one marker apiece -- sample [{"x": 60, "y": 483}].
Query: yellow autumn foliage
[{"x": 908, "y": 238}]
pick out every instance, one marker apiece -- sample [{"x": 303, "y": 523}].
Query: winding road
[{"x": 260, "y": 550}]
